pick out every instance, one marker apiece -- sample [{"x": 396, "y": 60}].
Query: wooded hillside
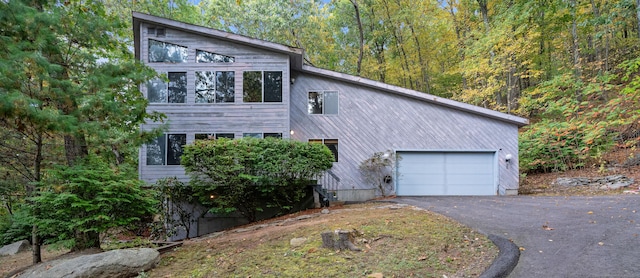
[{"x": 570, "y": 66}]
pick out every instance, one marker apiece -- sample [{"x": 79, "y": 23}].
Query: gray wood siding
[
  {"x": 191, "y": 118},
  {"x": 371, "y": 121}
]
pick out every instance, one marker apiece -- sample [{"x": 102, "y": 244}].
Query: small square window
[{"x": 323, "y": 102}]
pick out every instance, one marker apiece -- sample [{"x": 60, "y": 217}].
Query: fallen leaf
[
  {"x": 546, "y": 228},
  {"x": 522, "y": 249},
  {"x": 601, "y": 243},
  {"x": 590, "y": 212},
  {"x": 422, "y": 258}
]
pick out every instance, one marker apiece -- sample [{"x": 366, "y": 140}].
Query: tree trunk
[
  {"x": 574, "y": 44},
  {"x": 638, "y": 16},
  {"x": 361, "y": 34},
  {"x": 86, "y": 240},
  {"x": 343, "y": 242}
]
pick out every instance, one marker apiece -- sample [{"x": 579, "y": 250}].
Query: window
[
  {"x": 323, "y": 102},
  {"x": 254, "y": 135},
  {"x": 262, "y": 135},
  {"x": 273, "y": 135},
  {"x": 159, "y": 32},
  {"x": 332, "y": 144},
  {"x": 210, "y": 57},
  {"x": 166, "y": 149},
  {"x": 261, "y": 86},
  {"x": 215, "y": 86},
  {"x": 174, "y": 92},
  {"x": 211, "y": 136},
  {"x": 164, "y": 52}
]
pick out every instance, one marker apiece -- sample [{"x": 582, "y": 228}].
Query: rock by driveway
[{"x": 559, "y": 236}]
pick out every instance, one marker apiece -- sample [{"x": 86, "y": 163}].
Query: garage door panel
[
  {"x": 470, "y": 168},
  {"x": 446, "y": 173},
  {"x": 462, "y": 190},
  {"x": 469, "y": 179},
  {"x": 421, "y": 190},
  {"x": 426, "y": 179}
]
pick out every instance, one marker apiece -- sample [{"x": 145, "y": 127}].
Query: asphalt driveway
[{"x": 559, "y": 236}]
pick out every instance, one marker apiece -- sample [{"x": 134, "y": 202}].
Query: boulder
[
  {"x": 15, "y": 248},
  {"x": 297, "y": 242},
  {"x": 114, "y": 263},
  {"x": 608, "y": 182}
]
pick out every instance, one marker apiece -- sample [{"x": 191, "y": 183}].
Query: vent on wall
[{"x": 158, "y": 32}]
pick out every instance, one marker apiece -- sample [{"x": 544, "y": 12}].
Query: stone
[
  {"x": 15, "y": 248},
  {"x": 325, "y": 211},
  {"x": 297, "y": 242},
  {"x": 114, "y": 263},
  {"x": 608, "y": 182},
  {"x": 375, "y": 275}
]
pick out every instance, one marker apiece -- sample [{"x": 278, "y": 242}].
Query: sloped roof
[{"x": 296, "y": 56}]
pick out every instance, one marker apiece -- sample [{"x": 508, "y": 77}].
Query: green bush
[
  {"x": 88, "y": 198},
  {"x": 248, "y": 175}
]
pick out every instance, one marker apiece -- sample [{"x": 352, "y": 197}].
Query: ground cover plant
[{"x": 396, "y": 241}]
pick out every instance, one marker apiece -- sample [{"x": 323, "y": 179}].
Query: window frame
[
  {"x": 215, "y": 86},
  {"x": 263, "y": 86},
  {"x": 167, "y": 87},
  {"x": 165, "y": 139},
  {"x": 323, "y": 102},
  {"x": 184, "y": 59},
  {"x": 226, "y": 59},
  {"x": 215, "y": 135}
]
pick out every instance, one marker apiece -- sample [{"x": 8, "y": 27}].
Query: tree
[
  {"x": 248, "y": 175},
  {"x": 378, "y": 170},
  {"x": 77, "y": 203},
  {"x": 66, "y": 75}
]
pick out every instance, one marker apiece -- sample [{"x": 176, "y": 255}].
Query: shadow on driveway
[{"x": 558, "y": 236}]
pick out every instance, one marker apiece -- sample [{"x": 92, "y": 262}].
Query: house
[{"x": 227, "y": 85}]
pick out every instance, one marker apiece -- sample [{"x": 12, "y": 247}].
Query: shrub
[{"x": 248, "y": 175}]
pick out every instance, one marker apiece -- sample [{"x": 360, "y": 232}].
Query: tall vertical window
[
  {"x": 210, "y": 57},
  {"x": 323, "y": 102},
  {"x": 261, "y": 86},
  {"x": 332, "y": 144},
  {"x": 173, "y": 92},
  {"x": 215, "y": 87},
  {"x": 164, "y": 52},
  {"x": 166, "y": 149}
]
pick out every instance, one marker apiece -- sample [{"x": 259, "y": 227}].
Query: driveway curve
[{"x": 558, "y": 236}]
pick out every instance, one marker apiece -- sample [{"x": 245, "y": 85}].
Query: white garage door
[{"x": 446, "y": 173}]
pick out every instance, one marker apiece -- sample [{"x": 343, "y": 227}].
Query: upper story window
[
  {"x": 210, "y": 57},
  {"x": 262, "y": 86},
  {"x": 158, "y": 91},
  {"x": 166, "y": 149},
  {"x": 153, "y": 31},
  {"x": 164, "y": 52},
  {"x": 215, "y": 86},
  {"x": 323, "y": 102}
]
